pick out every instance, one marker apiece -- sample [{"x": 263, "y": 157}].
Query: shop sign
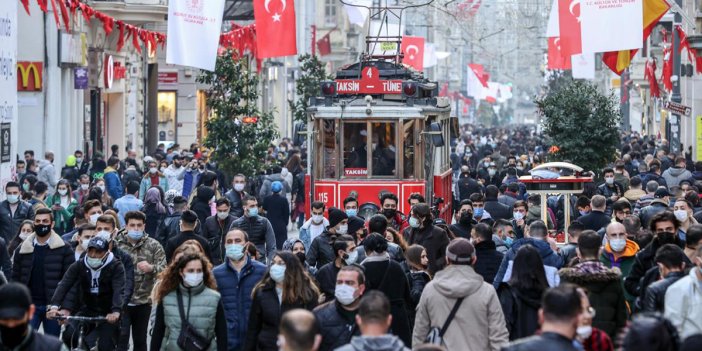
[
  {"x": 5, "y": 153},
  {"x": 80, "y": 78},
  {"x": 30, "y": 76},
  {"x": 168, "y": 78},
  {"x": 113, "y": 71}
]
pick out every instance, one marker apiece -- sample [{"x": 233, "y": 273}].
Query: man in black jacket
[
  {"x": 277, "y": 210},
  {"x": 258, "y": 228},
  {"x": 464, "y": 220},
  {"x": 16, "y": 310},
  {"x": 188, "y": 221},
  {"x": 467, "y": 185},
  {"x": 597, "y": 219},
  {"x": 671, "y": 263},
  {"x": 236, "y": 194},
  {"x": 337, "y": 319},
  {"x": 496, "y": 209},
  {"x": 170, "y": 227},
  {"x": 561, "y": 311},
  {"x": 488, "y": 259},
  {"x": 39, "y": 263},
  {"x": 13, "y": 211},
  {"x": 216, "y": 227},
  {"x": 92, "y": 287}
]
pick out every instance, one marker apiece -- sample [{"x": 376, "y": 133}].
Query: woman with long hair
[
  {"x": 345, "y": 251},
  {"x": 188, "y": 293},
  {"x": 154, "y": 210},
  {"x": 25, "y": 229},
  {"x": 520, "y": 297},
  {"x": 101, "y": 195},
  {"x": 285, "y": 286},
  {"x": 417, "y": 276},
  {"x": 394, "y": 236},
  {"x": 62, "y": 203}
]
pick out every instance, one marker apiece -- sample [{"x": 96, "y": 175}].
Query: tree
[
  {"x": 308, "y": 85},
  {"x": 582, "y": 123},
  {"x": 239, "y": 133}
]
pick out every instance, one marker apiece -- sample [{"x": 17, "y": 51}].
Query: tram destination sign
[
  {"x": 678, "y": 108},
  {"x": 370, "y": 83}
]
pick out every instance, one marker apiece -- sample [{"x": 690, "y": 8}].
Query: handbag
[
  {"x": 189, "y": 338},
  {"x": 436, "y": 335}
]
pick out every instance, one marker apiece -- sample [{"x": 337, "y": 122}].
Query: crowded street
[{"x": 350, "y": 175}]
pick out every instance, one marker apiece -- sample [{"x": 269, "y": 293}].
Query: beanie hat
[
  {"x": 336, "y": 216},
  {"x": 355, "y": 224},
  {"x": 71, "y": 161}
]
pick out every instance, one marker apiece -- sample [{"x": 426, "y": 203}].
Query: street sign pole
[{"x": 674, "y": 120}]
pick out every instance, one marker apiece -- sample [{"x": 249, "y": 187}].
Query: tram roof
[{"x": 357, "y": 109}]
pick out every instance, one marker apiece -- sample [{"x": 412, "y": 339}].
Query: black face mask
[
  {"x": 12, "y": 337},
  {"x": 666, "y": 238},
  {"x": 465, "y": 218},
  {"x": 42, "y": 230},
  {"x": 389, "y": 213},
  {"x": 301, "y": 256}
]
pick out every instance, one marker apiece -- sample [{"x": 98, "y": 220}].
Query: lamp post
[{"x": 674, "y": 120}]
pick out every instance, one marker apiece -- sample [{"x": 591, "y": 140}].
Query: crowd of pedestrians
[{"x": 169, "y": 253}]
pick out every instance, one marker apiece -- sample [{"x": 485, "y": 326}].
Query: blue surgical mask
[
  {"x": 253, "y": 212},
  {"x": 582, "y": 213},
  {"x": 277, "y": 272},
  {"x": 508, "y": 241},
  {"x": 135, "y": 234},
  {"x": 413, "y": 222},
  {"x": 235, "y": 251},
  {"x": 478, "y": 212},
  {"x": 351, "y": 212}
]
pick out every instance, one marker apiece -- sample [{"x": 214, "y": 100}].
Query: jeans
[
  {"x": 136, "y": 320},
  {"x": 51, "y": 327}
]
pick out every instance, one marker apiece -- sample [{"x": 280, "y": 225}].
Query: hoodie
[
  {"x": 479, "y": 324},
  {"x": 673, "y": 176},
  {"x": 386, "y": 342}
]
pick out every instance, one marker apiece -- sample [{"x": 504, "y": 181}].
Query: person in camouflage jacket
[{"x": 149, "y": 260}]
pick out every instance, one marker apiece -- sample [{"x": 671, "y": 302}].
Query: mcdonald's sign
[{"x": 30, "y": 76}]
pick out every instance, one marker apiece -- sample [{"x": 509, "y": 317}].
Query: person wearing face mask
[
  {"x": 660, "y": 203},
  {"x": 187, "y": 296},
  {"x": 40, "y": 262},
  {"x": 665, "y": 226},
  {"x": 610, "y": 189},
  {"x": 671, "y": 264},
  {"x": 315, "y": 225},
  {"x": 489, "y": 259},
  {"x": 388, "y": 205},
  {"x": 81, "y": 192},
  {"x": 258, "y": 228},
  {"x": 236, "y": 279},
  {"x": 92, "y": 287},
  {"x": 683, "y": 212},
  {"x": 683, "y": 300},
  {"x": 337, "y": 319},
  {"x": 602, "y": 284},
  {"x": 467, "y": 185},
  {"x": 285, "y": 286},
  {"x": 415, "y": 264},
  {"x": 236, "y": 194},
  {"x": 321, "y": 251},
  {"x": 188, "y": 222},
  {"x": 432, "y": 238},
  {"x": 113, "y": 184},
  {"x": 277, "y": 210},
  {"x": 13, "y": 211},
  {"x": 297, "y": 247},
  {"x": 24, "y": 231},
  {"x": 345, "y": 250},
  {"x": 16, "y": 310},
  {"x": 149, "y": 259},
  {"x": 173, "y": 172},
  {"x": 81, "y": 240},
  {"x": 215, "y": 227},
  {"x": 464, "y": 220},
  {"x": 559, "y": 316},
  {"x": 587, "y": 337},
  {"x": 152, "y": 178}
]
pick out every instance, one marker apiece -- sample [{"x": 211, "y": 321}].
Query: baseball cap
[
  {"x": 460, "y": 250},
  {"x": 277, "y": 186},
  {"x": 98, "y": 243},
  {"x": 661, "y": 193},
  {"x": 15, "y": 300}
]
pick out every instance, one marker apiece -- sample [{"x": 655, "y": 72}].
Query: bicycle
[{"x": 82, "y": 321}]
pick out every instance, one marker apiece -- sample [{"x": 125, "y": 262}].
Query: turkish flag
[
  {"x": 569, "y": 27},
  {"x": 556, "y": 59},
  {"x": 275, "y": 28},
  {"x": 324, "y": 45},
  {"x": 413, "y": 49}
]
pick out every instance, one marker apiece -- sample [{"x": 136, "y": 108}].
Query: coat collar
[{"x": 54, "y": 242}]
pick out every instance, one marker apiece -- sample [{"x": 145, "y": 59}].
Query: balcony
[{"x": 135, "y": 12}]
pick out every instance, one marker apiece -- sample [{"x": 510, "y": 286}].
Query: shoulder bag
[
  {"x": 189, "y": 338},
  {"x": 436, "y": 335}
]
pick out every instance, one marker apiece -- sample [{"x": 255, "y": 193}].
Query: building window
[{"x": 330, "y": 12}]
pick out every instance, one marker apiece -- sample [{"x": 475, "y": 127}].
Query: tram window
[
  {"x": 384, "y": 149},
  {"x": 355, "y": 153},
  {"x": 329, "y": 147},
  {"x": 409, "y": 155}
]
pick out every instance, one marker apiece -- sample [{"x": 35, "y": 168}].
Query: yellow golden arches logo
[{"x": 27, "y": 70}]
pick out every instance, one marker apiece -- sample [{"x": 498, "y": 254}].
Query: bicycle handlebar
[{"x": 81, "y": 319}]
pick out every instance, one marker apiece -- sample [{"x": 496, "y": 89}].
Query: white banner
[
  {"x": 611, "y": 25},
  {"x": 552, "y": 29},
  {"x": 583, "y": 66},
  {"x": 193, "y": 32},
  {"x": 8, "y": 92}
]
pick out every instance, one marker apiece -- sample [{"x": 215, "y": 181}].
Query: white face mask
[
  {"x": 681, "y": 215},
  {"x": 94, "y": 217},
  {"x": 63, "y": 192},
  {"x": 101, "y": 187},
  {"x": 222, "y": 214},
  {"x": 239, "y": 187},
  {"x": 84, "y": 244},
  {"x": 317, "y": 218},
  {"x": 345, "y": 294},
  {"x": 343, "y": 229},
  {"x": 617, "y": 245},
  {"x": 84, "y": 187},
  {"x": 193, "y": 279},
  {"x": 584, "y": 332},
  {"x": 609, "y": 180},
  {"x": 153, "y": 170},
  {"x": 352, "y": 257}
]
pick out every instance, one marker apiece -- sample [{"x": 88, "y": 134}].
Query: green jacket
[
  {"x": 203, "y": 310},
  {"x": 64, "y": 217},
  {"x": 149, "y": 250}
]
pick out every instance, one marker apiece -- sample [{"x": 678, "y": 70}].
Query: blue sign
[{"x": 80, "y": 78}]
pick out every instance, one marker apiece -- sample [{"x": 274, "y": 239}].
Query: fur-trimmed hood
[{"x": 590, "y": 274}]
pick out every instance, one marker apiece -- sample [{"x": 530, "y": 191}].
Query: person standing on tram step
[{"x": 277, "y": 210}]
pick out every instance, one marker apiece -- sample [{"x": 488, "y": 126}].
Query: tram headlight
[
  {"x": 409, "y": 89},
  {"x": 328, "y": 88}
]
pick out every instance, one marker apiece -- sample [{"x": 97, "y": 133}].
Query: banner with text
[
  {"x": 611, "y": 25},
  {"x": 193, "y": 32},
  {"x": 8, "y": 92}
]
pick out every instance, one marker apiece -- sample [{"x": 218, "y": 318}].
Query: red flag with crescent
[
  {"x": 569, "y": 27},
  {"x": 556, "y": 59},
  {"x": 275, "y": 28},
  {"x": 413, "y": 49}
]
